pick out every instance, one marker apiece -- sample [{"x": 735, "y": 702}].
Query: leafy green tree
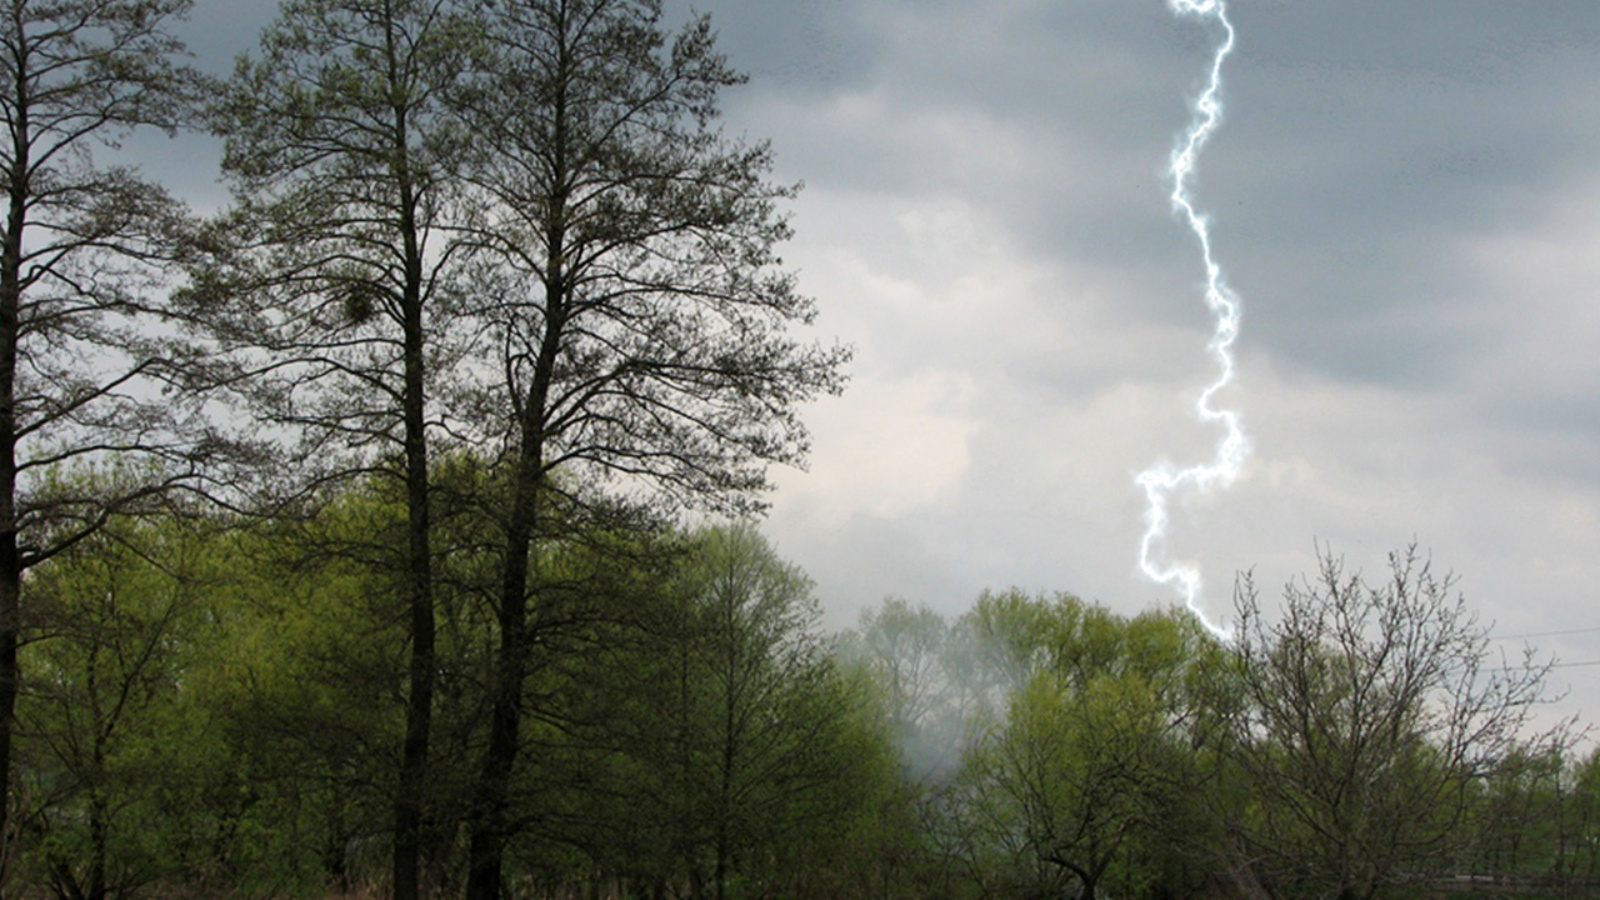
[
  {"x": 913, "y": 656},
  {"x": 1010, "y": 635},
  {"x": 1069, "y": 780},
  {"x": 928, "y": 690},
  {"x": 852, "y": 830},
  {"x": 1371, "y": 715},
  {"x": 306, "y": 697},
  {"x": 1583, "y": 819},
  {"x": 905, "y": 645},
  {"x": 1093, "y": 754},
  {"x": 1519, "y": 816},
  {"x": 755, "y": 751},
  {"x": 300, "y": 691},
  {"x": 307, "y": 680},
  {"x": 84, "y": 252},
  {"x": 638, "y": 316},
  {"x": 768, "y": 697},
  {"x": 606, "y": 599},
  {"x": 113, "y": 629}
]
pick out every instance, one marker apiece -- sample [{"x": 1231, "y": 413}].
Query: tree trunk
[
  {"x": 486, "y": 843},
  {"x": 98, "y": 845},
  {"x": 488, "y": 826},
  {"x": 1085, "y": 877},
  {"x": 10, "y": 558},
  {"x": 410, "y": 801},
  {"x": 488, "y": 831},
  {"x": 413, "y": 782}
]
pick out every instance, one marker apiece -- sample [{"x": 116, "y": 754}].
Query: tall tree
[
  {"x": 761, "y": 685},
  {"x": 305, "y": 694},
  {"x": 747, "y": 744},
  {"x": 337, "y": 299},
  {"x": 640, "y": 320},
  {"x": 84, "y": 250}
]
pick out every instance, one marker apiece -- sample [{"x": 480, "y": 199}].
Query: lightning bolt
[{"x": 1162, "y": 480}]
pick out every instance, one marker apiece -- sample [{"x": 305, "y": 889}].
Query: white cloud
[{"x": 888, "y": 448}]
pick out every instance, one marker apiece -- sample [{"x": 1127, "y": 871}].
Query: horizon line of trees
[{"x": 212, "y": 707}]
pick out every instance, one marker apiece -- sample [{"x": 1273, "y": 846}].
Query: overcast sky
[{"x": 1405, "y": 195}]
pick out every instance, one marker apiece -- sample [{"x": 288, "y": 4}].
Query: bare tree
[{"x": 1370, "y": 716}]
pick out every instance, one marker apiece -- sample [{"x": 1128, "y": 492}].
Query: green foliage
[
  {"x": 218, "y": 709},
  {"x": 1068, "y": 790},
  {"x": 1076, "y": 739},
  {"x": 101, "y": 691},
  {"x": 753, "y": 750},
  {"x": 85, "y": 250}
]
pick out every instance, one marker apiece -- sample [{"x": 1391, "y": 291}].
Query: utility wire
[{"x": 1539, "y": 634}]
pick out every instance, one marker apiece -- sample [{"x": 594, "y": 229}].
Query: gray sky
[{"x": 1405, "y": 195}]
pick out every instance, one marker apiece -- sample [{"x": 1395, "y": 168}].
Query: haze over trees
[{"x": 455, "y": 589}]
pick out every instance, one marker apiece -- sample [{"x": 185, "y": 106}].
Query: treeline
[
  {"x": 1360, "y": 740},
  {"x": 212, "y": 708},
  {"x": 345, "y": 542}
]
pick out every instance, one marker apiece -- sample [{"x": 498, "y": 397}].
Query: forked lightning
[{"x": 1163, "y": 480}]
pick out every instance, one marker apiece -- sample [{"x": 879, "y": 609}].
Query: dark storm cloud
[
  {"x": 1363, "y": 142},
  {"x": 1372, "y": 158},
  {"x": 217, "y": 31},
  {"x": 804, "y": 45},
  {"x": 1367, "y": 141}
]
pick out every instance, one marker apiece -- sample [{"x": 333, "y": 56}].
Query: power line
[
  {"x": 1540, "y": 634},
  {"x": 1589, "y": 663}
]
